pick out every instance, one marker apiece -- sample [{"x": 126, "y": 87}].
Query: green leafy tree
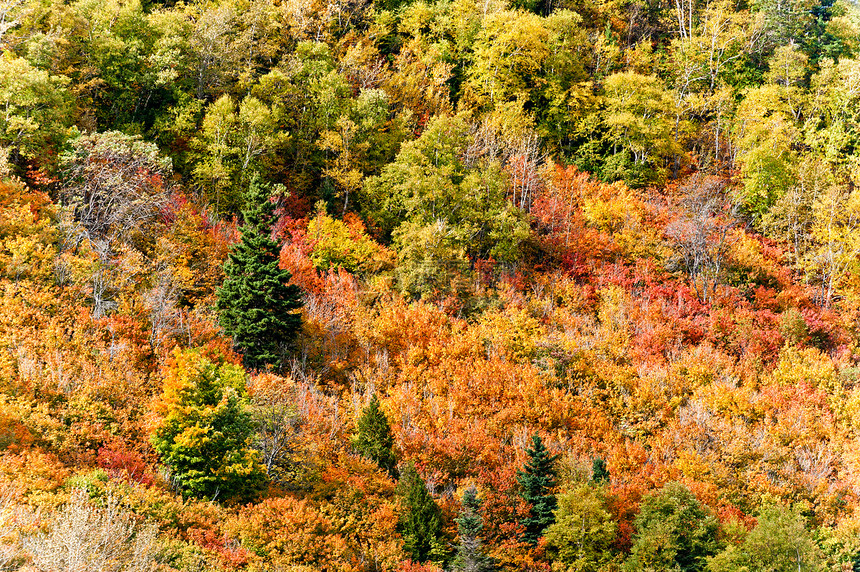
[
  {"x": 509, "y": 52},
  {"x": 780, "y": 542},
  {"x": 421, "y": 521},
  {"x": 234, "y": 145},
  {"x": 766, "y": 132},
  {"x": 434, "y": 182},
  {"x": 205, "y": 434},
  {"x": 641, "y": 122},
  {"x": 537, "y": 480},
  {"x": 256, "y": 304},
  {"x": 35, "y": 108},
  {"x": 373, "y": 439},
  {"x": 470, "y": 553},
  {"x": 673, "y": 531},
  {"x": 581, "y": 537}
]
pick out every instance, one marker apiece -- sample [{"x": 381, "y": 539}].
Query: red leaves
[{"x": 124, "y": 463}]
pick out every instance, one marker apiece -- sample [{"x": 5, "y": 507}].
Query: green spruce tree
[
  {"x": 373, "y": 439},
  {"x": 255, "y": 303},
  {"x": 470, "y": 554},
  {"x": 599, "y": 472},
  {"x": 421, "y": 521},
  {"x": 537, "y": 481}
]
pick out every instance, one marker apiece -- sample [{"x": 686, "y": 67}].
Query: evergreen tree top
[
  {"x": 537, "y": 477},
  {"x": 470, "y": 523},
  {"x": 421, "y": 522},
  {"x": 258, "y": 212},
  {"x": 537, "y": 480},
  {"x": 374, "y": 439},
  {"x": 256, "y": 303},
  {"x": 599, "y": 472}
]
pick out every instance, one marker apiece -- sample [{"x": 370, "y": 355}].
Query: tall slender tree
[
  {"x": 421, "y": 522},
  {"x": 537, "y": 481},
  {"x": 256, "y": 304},
  {"x": 470, "y": 553},
  {"x": 373, "y": 439}
]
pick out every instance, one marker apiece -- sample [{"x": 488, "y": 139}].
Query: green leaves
[
  {"x": 35, "y": 107},
  {"x": 673, "y": 530},
  {"x": 537, "y": 480},
  {"x": 444, "y": 180},
  {"x": 640, "y": 118},
  {"x": 421, "y": 522},
  {"x": 204, "y": 436},
  {"x": 373, "y": 438},
  {"x": 780, "y": 542},
  {"x": 256, "y": 305},
  {"x": 583, "y": 532},
  {"x": 471, "y": 555}
]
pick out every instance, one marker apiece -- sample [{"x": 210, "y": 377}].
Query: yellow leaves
[
  {"x": 27, "y": 234},
  {"x": 729, "y": 400},
  {"x": 608, "y": 209},
  {"x": 286, "y": 532},
  {"x": 339, "y": 244},
  {"x": 418, "y": 81},
  {"x": 806, "y": 366},
  {"x": 193, "y": 437},
  {"x": 511, "y": 335},
  {"x": 693, "y": 466},
  {"x": 851, "y": 413},
  {"x": 36, "y": 474},
  {"x": 508, "y": 53},
  {"x": 613, "y": 335},
  {"x": 746, "y": 254},
  {"x": 641, "y": 117}
]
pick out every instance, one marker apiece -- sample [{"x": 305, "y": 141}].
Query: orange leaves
[{"x": 285, "y": 532}]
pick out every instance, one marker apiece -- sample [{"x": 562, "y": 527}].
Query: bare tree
[
  {"x": 83, "y": 537},
  {"x": 14, "y": 516},
  {"x": 701, "y": 233},
  {"x": 115, "y": 183}
]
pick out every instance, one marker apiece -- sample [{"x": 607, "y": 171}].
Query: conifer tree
[
  {"x": 470, "y": 554},
  {"x": 599, "y": 472},
  {"x": 255, "y": 303},
  {"x": 421, "y": 522},
  {"x": 374, "y": 439},
  {"x": 537, "y": 480}
]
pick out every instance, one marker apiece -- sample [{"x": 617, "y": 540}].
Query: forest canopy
[{"x": 424, "y": 286}]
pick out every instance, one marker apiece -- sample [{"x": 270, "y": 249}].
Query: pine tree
[
  {"x": 421, "y": 522},
  {"x": 470, "y": 554},
  {"x": 374, "y": 439},
  {"x": 255, "y": 303},
  {"x": 599, "y": 472},
  {"x": 537, "y": 480}
]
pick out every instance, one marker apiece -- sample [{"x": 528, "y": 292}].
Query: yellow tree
[
  {"x": 640, "y": 118},
  {"x": 508, "y": 55},
  {"x": 836, "y": 237}
]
